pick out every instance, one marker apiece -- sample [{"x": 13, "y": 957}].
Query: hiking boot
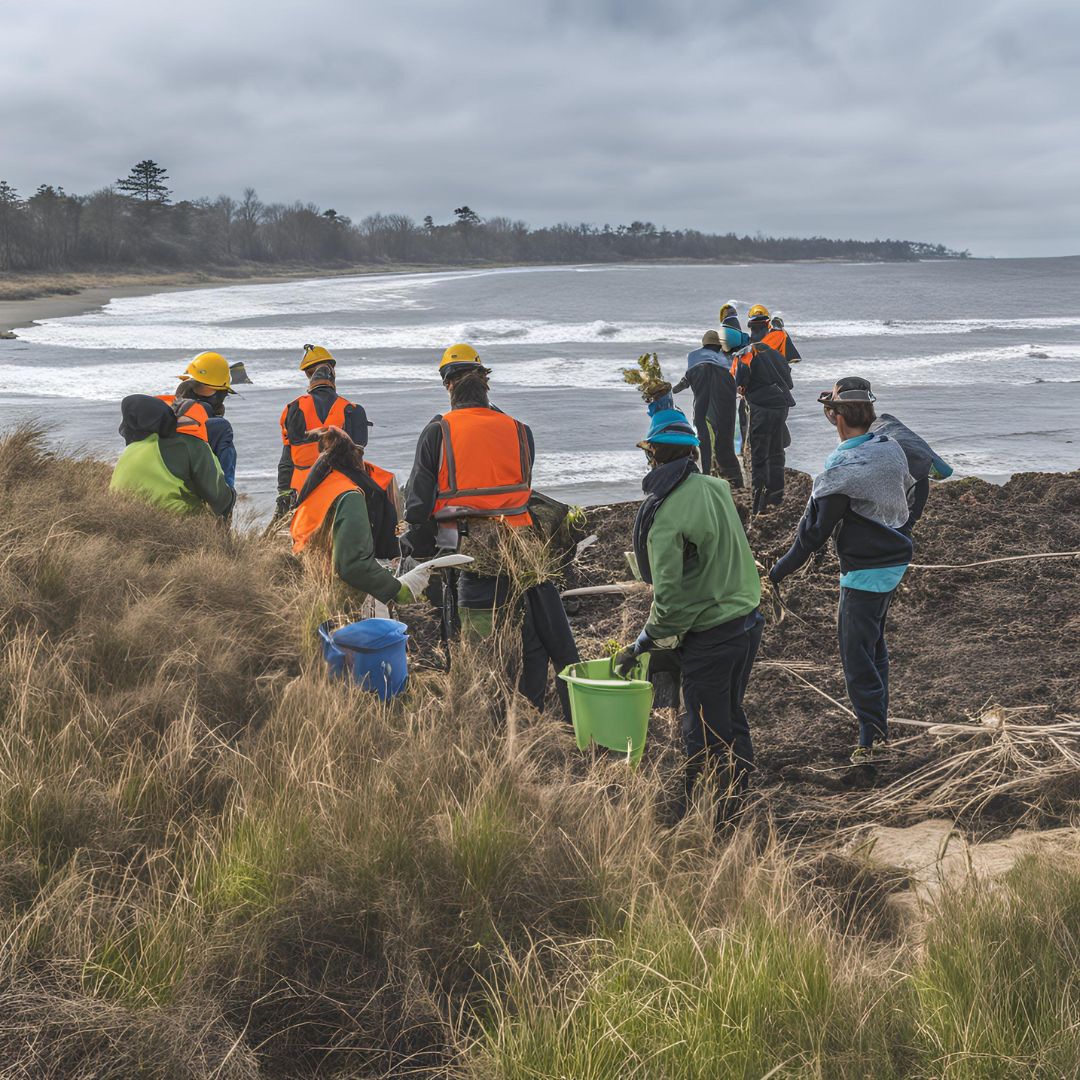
[{"x": 871, "y": 755}]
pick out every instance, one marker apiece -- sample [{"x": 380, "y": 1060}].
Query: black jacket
[
  {"x": 356, "y": 427},
  {"x": 766, "y": 377},
  {"x": 861, "y": 544}
]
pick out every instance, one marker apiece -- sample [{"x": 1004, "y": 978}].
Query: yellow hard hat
[
  {"x": 315, "y": 354},
  {"x": 758, "y": 311},
  {"x": 211, "y": 369},
  {"x": 458, "y": 357}
]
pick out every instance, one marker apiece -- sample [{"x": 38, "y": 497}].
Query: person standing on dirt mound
[
  {"x": 691, "y": 546},
  {"x": 770, "y": 329},
  {"x": 473, "y": 473},
  {"x": 862, "y": 498},
  {"x": 708, "y": 373},
  {"x": 763, "y": 377},
  {"x": 304, "y": 417}
]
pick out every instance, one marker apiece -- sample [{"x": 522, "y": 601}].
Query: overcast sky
[{"x": 955, "y": 121}]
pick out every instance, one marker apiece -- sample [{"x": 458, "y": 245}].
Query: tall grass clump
[
  {"x": 998, "y": 987},
  {"x": 214, "y": 862}
]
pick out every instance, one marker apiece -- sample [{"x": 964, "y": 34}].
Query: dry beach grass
[{"x": 216, "y": 863}]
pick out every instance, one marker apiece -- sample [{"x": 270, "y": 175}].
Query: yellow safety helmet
[
  {"x": 458, "y": 357},
  {"x": 315, "y": 354},
  {"x": 211, "y": 369},
  {"x": 758, "y": 311}
]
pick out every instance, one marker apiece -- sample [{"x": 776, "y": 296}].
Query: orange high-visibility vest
[
  {"x": 191, "y": 416},
  {"x": 311, "y": 512},
  {"x": 485, "y": 469},
  {"x": 777, "y": 339},
  {"x": 305, "y": 454}
]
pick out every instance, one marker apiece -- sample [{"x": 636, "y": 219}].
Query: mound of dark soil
[{"x": 959, "y": 639}]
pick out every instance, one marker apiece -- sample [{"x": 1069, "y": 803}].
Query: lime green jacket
[
  {"x": 702, "y": 568},
  {"x": 177, "y": 472}
]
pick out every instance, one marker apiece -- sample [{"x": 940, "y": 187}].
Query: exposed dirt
[{"x": 959, "y": 640}]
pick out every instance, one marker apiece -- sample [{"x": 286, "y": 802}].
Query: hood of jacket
[{"x": 142, "y": 415}]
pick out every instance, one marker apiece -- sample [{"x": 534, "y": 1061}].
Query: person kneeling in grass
[
  {"x": 862, "y": 498},
  {"x": 691, "y": 546},
  {"x": 345, "y": 518}
]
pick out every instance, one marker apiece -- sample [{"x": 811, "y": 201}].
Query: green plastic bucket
[{"x": 607, "y": 710}]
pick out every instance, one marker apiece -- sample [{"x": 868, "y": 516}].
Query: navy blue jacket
[{"x": 861, "y": 544}]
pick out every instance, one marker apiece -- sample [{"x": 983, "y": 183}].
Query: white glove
[{"x": 416, "y": 580}]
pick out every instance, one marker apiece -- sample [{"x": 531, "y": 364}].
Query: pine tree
[
  {"x": 466, "y": 216},
  {"x": 146, "y": 183}
]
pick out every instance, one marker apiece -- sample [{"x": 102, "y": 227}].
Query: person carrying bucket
[
  {"x": 345, "y": 517},
  {"x": 473, "y": 468},
  {"x": 691, "y": 546},
  {"x": 304, "y": 417}
]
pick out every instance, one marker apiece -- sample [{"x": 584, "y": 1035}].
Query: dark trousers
[
  {"x": 715, "y": 671},
  {"x": 861, "y": 630},
  {"x": 716, "y": 430},
  {"x": 768, "y": 428},
  {"x": 545, "y": 637}
]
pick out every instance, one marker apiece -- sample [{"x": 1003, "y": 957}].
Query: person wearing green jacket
[
  {"x": 690, "y": 544},
  {"x": 176, "y": 472}
]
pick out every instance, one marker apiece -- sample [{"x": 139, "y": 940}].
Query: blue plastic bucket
[{"x": 371, "y": 653}]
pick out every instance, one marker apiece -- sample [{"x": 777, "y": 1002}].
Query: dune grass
[{"x": 216, "y": 863}]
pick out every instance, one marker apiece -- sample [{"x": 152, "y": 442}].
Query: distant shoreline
[
  {"x": 29, "y": 298},
  {"x": 41, "y": 296}
]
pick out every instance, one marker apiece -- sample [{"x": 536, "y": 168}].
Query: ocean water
[{"x": 981, "y": 357}]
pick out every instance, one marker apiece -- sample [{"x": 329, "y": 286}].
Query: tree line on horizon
[{"x": 134, "y": 222}]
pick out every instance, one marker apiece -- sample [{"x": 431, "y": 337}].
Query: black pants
[
  {"x": 715, "y": 671},
  {"x": 715, "y": 423},
  {"x": 545, "y": 637},
  {"x": 768, "y": 428},
  {"x": 861, "y": 629}
]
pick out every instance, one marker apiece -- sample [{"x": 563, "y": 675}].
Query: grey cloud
[{"x": 940, "y": 121}]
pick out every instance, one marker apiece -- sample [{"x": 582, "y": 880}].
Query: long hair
[{"x": 470, "y": 388}]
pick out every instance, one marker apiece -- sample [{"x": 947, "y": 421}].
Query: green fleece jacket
[
  {"x": 354, "y": 550},
  {"x": 177, "y": 472},
  {"x": 702, "y": 568}
]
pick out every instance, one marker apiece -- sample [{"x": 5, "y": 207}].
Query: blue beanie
[{"x": 671, "y": 426}]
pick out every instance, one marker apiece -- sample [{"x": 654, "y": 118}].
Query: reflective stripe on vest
[
  {"x": 485, "y": 469},
  {"x": 191, "y": 416},
  {"x": 305, "y": 454},
  {"x": 310, "y": 514}
]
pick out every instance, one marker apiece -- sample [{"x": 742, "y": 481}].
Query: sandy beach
[{"x": 50, "y": 297}]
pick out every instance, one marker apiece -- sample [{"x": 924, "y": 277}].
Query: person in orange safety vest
[
  {"x": 474, "y": 463},
  {"x": 301, "y": 420}
]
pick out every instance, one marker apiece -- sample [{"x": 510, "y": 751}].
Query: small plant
[{"x": 648, "y": 377}]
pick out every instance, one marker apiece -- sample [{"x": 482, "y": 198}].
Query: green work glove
[{"x": 404, "y": 596}]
